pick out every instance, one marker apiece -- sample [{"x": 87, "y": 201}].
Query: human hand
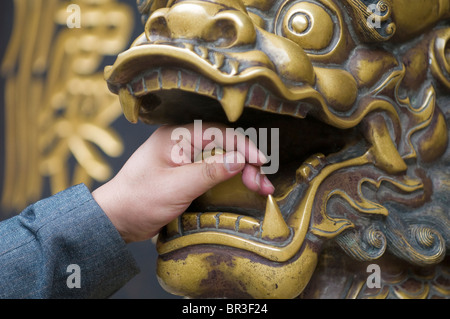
[{"x": 154, "y": 186}]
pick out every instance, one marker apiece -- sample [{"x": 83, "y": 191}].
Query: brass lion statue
[{"x": 360, "y": 93}]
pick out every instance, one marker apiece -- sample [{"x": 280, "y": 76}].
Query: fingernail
[
  {"x": 258, "y": 180},
  {"x": 267, "y": 182},
  {"x": 262, "y": 157},
  {"x": 233, "y": 162}
]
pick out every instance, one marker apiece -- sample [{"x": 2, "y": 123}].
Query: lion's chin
[{"x": 212, "y": 271}]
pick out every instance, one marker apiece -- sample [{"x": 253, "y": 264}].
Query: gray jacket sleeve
[{"x": 63, "y": 247}]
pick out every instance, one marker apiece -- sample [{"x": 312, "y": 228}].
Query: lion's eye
[{"x": 307, "y": 24}]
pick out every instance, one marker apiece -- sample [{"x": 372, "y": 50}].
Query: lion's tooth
[
  {"x": 234, "y": 67},
  {"x": 274, "y": 226},
  {"x": 189, "y": 46},
  {"x": 303, "y": 172},
  {"x": 249, "y": 225},
  {"x": 207, "y": 220},
  {"x": 227, "y": 221},
  {"x": 202, "y": 52},
  {"x": 384, "y": 152},
  {"x": 130, "y": 105},
  {"x": 218, "y": 59},
  {"x": 233, "y": 101},
  {"x": 315, "y": 160},
  {"x": 173, "y": 228},
  {"x": 309, "y": 167},
  {"x": 190, "y": 221}
]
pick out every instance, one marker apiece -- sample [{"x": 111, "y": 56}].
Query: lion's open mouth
[{"x": 178, "y": 89}]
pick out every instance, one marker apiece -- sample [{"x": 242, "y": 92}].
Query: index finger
[{"x": 199, "y": 137}]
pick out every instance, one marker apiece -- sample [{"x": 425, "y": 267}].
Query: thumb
[{"x": 197, "y": 178}]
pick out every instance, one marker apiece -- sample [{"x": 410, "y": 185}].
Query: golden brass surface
[{"x": 360, "y": 93}]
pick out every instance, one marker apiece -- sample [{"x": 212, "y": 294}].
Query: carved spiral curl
[
  {"x": 383, "y": 7},
  {"x": 369, "y": 245},
  {"x": 424, "y": 236},
  {"x": 383, "y": 15},
  {"x": 375, "y": 238},
  {"x": 391, "y": 28},
  {"x": 418, "y": 244}
]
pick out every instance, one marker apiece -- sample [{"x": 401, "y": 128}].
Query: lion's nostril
[
  {"x": 157, "y": 28},
  {"x": 233, "y": 28},
  {"x": 201, "y": 21},
  {"x": 223, "y": 33}
]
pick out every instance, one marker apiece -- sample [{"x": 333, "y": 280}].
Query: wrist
[
  {"x": 119, "y": 205},
  {"x": 107, "y": 198}
]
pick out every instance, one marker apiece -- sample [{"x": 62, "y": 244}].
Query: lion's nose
[{"x": 201, "y": 21}]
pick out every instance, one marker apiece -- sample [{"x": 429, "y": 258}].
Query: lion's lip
[
  {"x": 271, "y": 228},
  {"x": 233, "y": 98},
  {"x": 232, "y": 77},
  {"x": 220, "y": 67},
  {"x": 228, "y": 77}
]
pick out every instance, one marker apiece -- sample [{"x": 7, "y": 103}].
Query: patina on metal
[{"x": 360, "y": 92}]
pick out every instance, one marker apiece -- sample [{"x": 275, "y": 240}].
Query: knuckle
[{"x": 210, "y": 172}]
